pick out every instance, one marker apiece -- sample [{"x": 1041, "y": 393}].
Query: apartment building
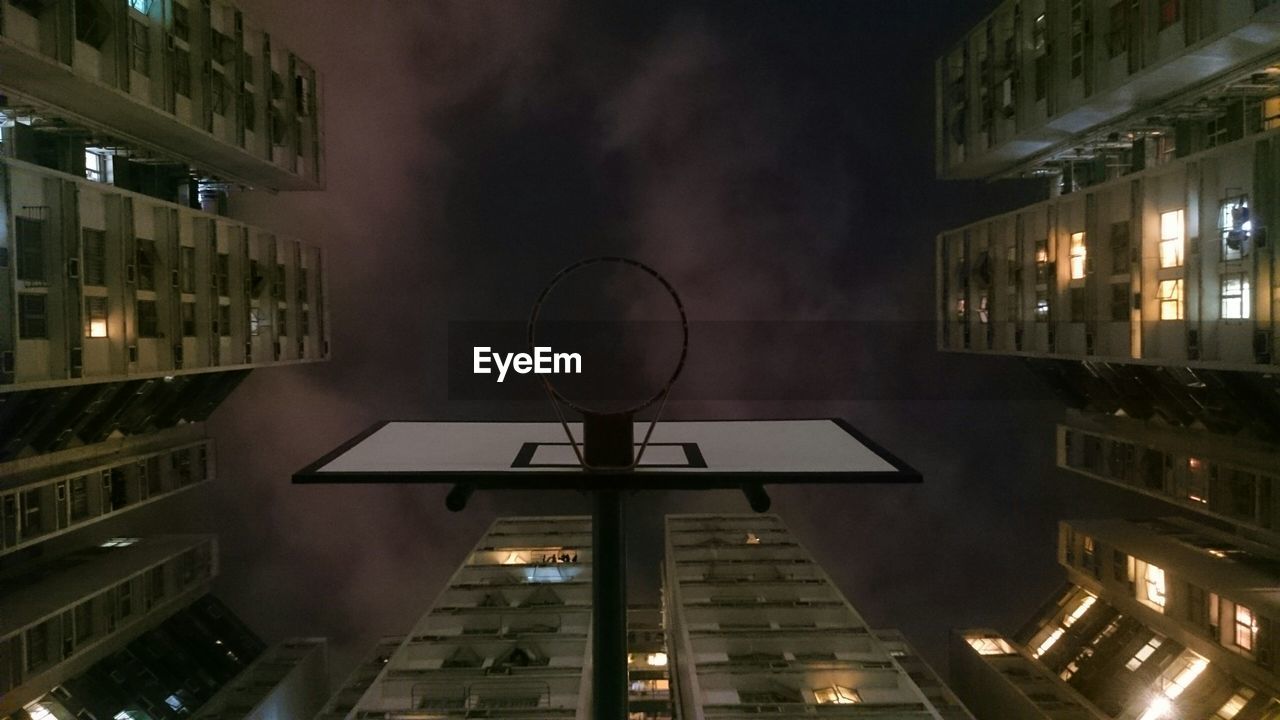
[
  {"x": 60, "y": 615},
  {"x": 1037, "y": 79},
  {"x": 1229, "y": 479},
  {"x": 162, "y": 674},
  {"x": 1163, "y": 618},
  {"x": 507, "y": 637},
  {"x": 757, "y": 628},
  {"x": 289, "y": 680},
  {"x": 199, "y": 82}
]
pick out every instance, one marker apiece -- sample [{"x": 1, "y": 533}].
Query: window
[
  {"x": 1048, "y": 642},
  {"x": 1042, "y": 306},
  {"x": 1120, "y": 247},
  {"x": 95, "y": 317},
  {"x": 1153, "y": 587},
  {"x": 1271, "y": 113},
  {"x": 33, "y": 321},
  {"x": 84, "y": 621},
  {"x": 1087, "y": 601},
  {"x": 224, "y": 274},
  {"x": 1235, "y": 296},
  {"x": 224, "y": 320},
  {"x": 1170, "y": 12},
  {"x": 148, "y": 319},
  {"x": 93, "y": 22},
  {"x": 188, "y": 319},
  {"x": 249, "y": 108},
  {"x": 37, "y": 646},
  {"x": 181, "y": 22},
  {"x": 30, "y": 249},
  {"x": 990, "y": 646},
  {"x": 1170, "y": 295},
  {"x": 1042, "y": 262},
  {"x": 95, "y": 166},
  {"x": 79, "y": 499},
  {"x": 146, "y": 265},
  {"x": 1144, "y": 652},
  {"x": 1079, "y": 304},
  {"x": 31, "y": 507},
  {"x": 124, "y": 598},
  {"x": 1120, "y": 302},
  {"x": 95, "y": 257},
  {"x": 1078, "y": 254},
  {"x": 1234, "y": 704},
  {"x": 836, "y": 695},
  {"x": 255, "y": 322},
  {"x": 1171, "y": 239},
  {"x": 1185, "y": 671},
  {"x": 187, "y": 268},
  {"x": 1042, "y": 69},
  {"x": 1236, "y": 226},
  {"x": 155, "y": 583},
  {"x": 181, "y": 71},
  {"x": 219, "y": 92},
  {"x": 1246, "y": 635},
  {"x": 1077, "y": 37},
  {"x": 1118, "y": 37},
  {"x": 1217, "y": 131},
  {"x": 142, "y": 6},
  {"x": 139, "y": 46}
]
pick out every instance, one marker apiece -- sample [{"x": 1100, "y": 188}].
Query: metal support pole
[{"x": 608, "y": 606}]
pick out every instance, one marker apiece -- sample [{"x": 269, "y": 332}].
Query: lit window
[
  {"x": 1271, "y": 113},
  {"x": 1170, "y": 295},
  {"x": 1234, "y": 705},
  {"x": 1236, "y": 225},
  {"x": 1246, "y": 628},
  {"x": 1048, "y": 642},
  {"x": 1085, "y": 603},
  {"x": 174, "y": 702},
  {"x": 142, "y": 6},
  {"x": 1154, "y": 587},
  {"x": 1235, "y": 297},
  {"x": 990, "y": 645},
  {"x": 657, "y": 659},
  {"x": 95, "y": 321},
  {"x": 837, "y": 695},
  {"x": 1172, "y": 239},
  {"x": 119, "y": 542},
  {"x": 95, "y": 166},
  {"x": 1143, "y": 653},
  {"x": 1190, "y": 669},
  {"x": 1078, "y": 253},
  {"x": 40, "y": 712},
  {"x": 753, "y": 539}
]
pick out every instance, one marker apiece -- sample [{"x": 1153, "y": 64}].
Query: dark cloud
[{"x": 773, "y": 159}]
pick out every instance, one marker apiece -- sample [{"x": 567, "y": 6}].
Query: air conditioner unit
[{"x": 73, "y": 268}]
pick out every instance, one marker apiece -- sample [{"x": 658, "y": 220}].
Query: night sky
[{"x": 774, "y": 160}]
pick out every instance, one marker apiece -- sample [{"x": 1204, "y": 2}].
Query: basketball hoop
[{"x": 608, "y": 441}]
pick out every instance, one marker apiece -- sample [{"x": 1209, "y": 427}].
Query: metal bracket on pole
[
  {"x": 458, "y": 496},
  {"x": 757, "y": 497}
]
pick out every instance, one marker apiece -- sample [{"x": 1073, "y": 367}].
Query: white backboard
[{"x": 685, "y": 453}]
